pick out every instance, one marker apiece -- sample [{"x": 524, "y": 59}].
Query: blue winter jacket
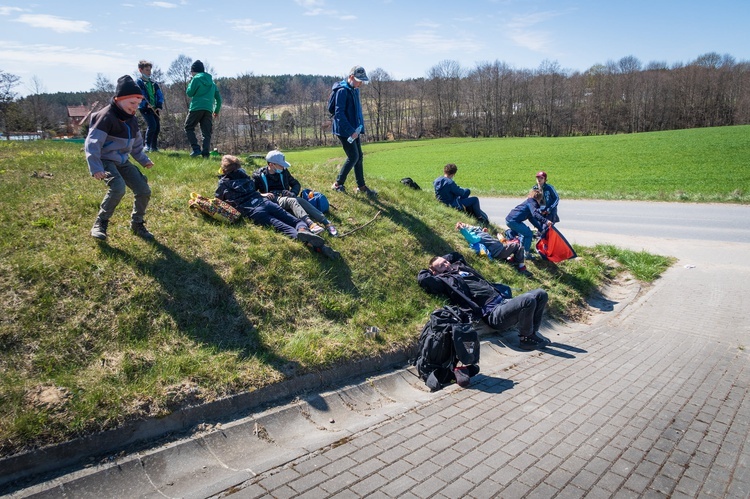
[
  {"x": 348, "y": 110},
  {"x": 158, "y": 95},
  {"x": 528, "y": 210},
  {"x": 448, "y": 192}
]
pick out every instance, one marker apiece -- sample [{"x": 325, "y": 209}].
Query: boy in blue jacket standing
[
  {"x": 205, "y": 104},
  {"x": 113, "y": 136},
  {"x": 151, "y": 105},
  {"x": 348, "y": 125}
]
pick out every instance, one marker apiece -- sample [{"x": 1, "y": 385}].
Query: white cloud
[
  {"x": 58, "y": 24},
  {"x": 433, "y": 42},
  {"x": 79, "y": 59},
  {"x": 164, "y": 5},
  {"x": 188, "y": 38},
  {"x": 521, "y": 33},
  {"x": 6, "y": 11},
  {"x": 249, "y": 26}
]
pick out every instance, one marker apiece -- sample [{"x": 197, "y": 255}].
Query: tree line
[{"x": 492, "y": 99}]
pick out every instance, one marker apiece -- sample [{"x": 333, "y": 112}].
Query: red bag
[{"x": 554, "y": 247}]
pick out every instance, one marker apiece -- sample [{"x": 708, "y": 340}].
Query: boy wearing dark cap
[
  {"x": 348, "y": 124},
  {"x": 205, "y": 104},
  {"x": 113, "y": 136}
]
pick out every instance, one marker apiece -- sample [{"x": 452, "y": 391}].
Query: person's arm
[
  {"x": 293, "y": 184},
  {"x": 554, "y": 198},
  {"x": 159, "y": 97},
  {"x": 458, "y": 191},
  {"x": 431, "y": 283},
  {"x": 217, "y": 99},
  {"x": 346, "y": 129}
]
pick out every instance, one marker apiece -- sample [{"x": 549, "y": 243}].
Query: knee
[{"x": 117, "y": 187}]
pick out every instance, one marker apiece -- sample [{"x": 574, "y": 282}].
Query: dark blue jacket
[
  {"x": 528, "y": 210},
  {"x": 347, "y": 115},
  {"x": 238, "y": 189},
  {"x": 448, "y": 192},
  {"x": 158, "y": 96},
  {"x": 275, "y": 183}
]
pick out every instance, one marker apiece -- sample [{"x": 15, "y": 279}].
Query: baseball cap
[
  {"x": 542, "y": 174},
  {"x": 358, "y": 72},
  {"x": 277, "y": 157}
]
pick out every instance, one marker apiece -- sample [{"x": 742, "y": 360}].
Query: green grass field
[
  {"x": 94, "y": 335},
  {"x": 700, "y": 165}
]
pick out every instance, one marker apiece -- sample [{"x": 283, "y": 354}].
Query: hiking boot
[
  {"x": 315, "y": 228},
  {"x": 338, "y": 188},
  {"x": 99, "y": 230},
  {"x": 140, "y": 230},
  {"x": 366, "y": 190},
  {"x": 329, "y": 252},
  {"x": 306, "y": 236},
  {"x": 195, "y": 154},
  {"x": 332, "y": 230}
]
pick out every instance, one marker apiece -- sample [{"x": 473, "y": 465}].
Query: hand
[
  {"x": 100, "y": 175},
  {"x": 287, "y": 193},
  {"x": 157, "y": 111},
  {"x": 355, "y": 135},
  {"x": 216, "y": 115},
  {"x": 148, "y": 165},
  {"x": 549, "y": 224},
  {"x": 460, "y": 225},
  {"x": 269, "y": 196}
]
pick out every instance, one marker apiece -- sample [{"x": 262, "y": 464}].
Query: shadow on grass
[{"x": 201, "y": 304}]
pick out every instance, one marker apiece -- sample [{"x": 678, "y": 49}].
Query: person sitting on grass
[
  {"x": 450, "y": 276},
  {"x": 448, "y": 192},
  {"x": 528, "y": 210},
  {"x": 275, "y": 182},
  {"x": 499, "y": 248},
  {"x": 237, "y": 188}
]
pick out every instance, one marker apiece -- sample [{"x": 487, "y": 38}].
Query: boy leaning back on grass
[{"x": 114, "y": 136}]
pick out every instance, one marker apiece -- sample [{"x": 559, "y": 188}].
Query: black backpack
[
  {"x": 447, "y": 337},
  {"x": 332, "y": 101},
  {"x": 407, "y": 181}
]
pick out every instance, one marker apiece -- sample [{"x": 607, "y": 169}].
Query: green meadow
[{"x": 95, "y": 335}]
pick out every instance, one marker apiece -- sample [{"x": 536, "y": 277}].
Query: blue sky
[{"x": 65, "y": 44}]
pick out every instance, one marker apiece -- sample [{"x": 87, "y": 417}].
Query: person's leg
[
  {"x": 541, "y": 298},
  {"x": 519, "y": 311},
  {"x": 207, "y": 128},
  {"x": 191, "y": 122},
  {"x": 352, "y": 157},
  {"x": 138, "y": 183},
  {"x": 471, "y": 205},
  {"x": 359, "y": 169},
  {"x": 311, "y": 210},
  {"x": 157, "y": 129},
  {"x": 292, "y": 205},
  {"x": 150, "y": 118},
  {"x": 115, "y": 193},
  {"x": 524, "y": 231}
]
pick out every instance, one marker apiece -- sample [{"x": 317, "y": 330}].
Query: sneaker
[
  {"x": 306, "y": 236},
  {"x": 140, "y": 230},
  {"x": 366, "y": 190},
  {"x": 147, "y": 149},
  {"x": 338, "y": 188},
  {"x": 524, "y": 272},
  {"x": 315, "y": 228},
  {"x": 532, "y": 342},
  {"x": 330, "y": 253},
  {"x": 99, "y": 230},
  {"x": 528, "y": 255},
  {"x": 332, "y": 230},
  {"x": 195, "y": 154}
]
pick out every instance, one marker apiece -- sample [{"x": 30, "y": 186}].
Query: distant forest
[{"x": 491, "y": 99}]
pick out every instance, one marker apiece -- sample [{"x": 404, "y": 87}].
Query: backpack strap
[{"x": 263, "y": 176}]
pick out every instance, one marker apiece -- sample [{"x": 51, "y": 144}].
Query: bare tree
[{"x": 8, "y": 95}]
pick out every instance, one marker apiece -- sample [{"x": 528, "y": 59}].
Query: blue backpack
[{"x": 317, "y": 199}]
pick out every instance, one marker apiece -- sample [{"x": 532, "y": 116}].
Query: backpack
[
  {"x": 317, "y": 199},
  {"x": 332, "y": 101},
  {"x": 446, "y": 339},
  {"x": 407, "y": 181}
]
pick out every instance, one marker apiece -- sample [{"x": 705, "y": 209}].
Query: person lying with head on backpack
[
  {"x": 500, "y": 248},
  {"x": 450, "y": 276},
  {"x": 238, "y": 189},
  {"x": 276, "y": 183}
]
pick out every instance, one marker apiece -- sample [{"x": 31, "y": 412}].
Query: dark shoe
[
  {"x": 366, "y": 190},
  {"x": 99, "y": 230},
  {"x": 140, "y": 230},
  {"x": 195, "y": 154},
  {"x": 473, "y": 370},
  {"x": 532, "y": 342},
  {"x": 338, "y": 188},
  {"x": 529, "y": 256},
  {"x": 524, "y": 272},
  {"x": 329, "y": 252},
  {"x": 306, "y": 236}
]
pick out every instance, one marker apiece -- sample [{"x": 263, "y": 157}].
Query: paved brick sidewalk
[{"x": 652, "y": 402}]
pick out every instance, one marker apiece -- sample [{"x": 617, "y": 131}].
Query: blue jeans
[
  {"x": 120, "y": 176},
  {"x": 353, "y": 160},
  {"x": 524, "y": 231},
  {"x": 471, "y": 206},
  {"x": 153, "y": 126}
]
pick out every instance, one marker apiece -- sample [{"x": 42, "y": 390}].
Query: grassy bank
[{"x": 93, "y": 335}]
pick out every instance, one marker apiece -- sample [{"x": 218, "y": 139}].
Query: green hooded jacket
[{"x": 203, "y": 94}]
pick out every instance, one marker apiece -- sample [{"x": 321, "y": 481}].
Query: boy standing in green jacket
[{"x": 205, "y": 105}]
